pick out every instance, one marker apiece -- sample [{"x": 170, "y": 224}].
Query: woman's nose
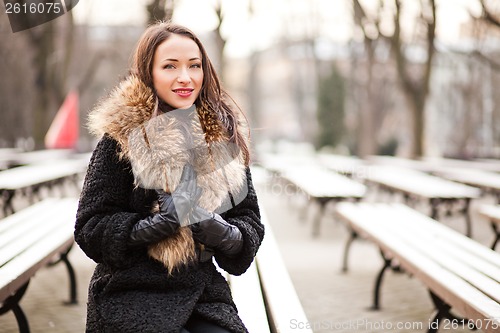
[{"x": 184, "y": 76}]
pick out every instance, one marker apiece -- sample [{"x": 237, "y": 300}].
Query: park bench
[
  {"x": 461, "y": 274},
  {"x": 14, "y": 157},
  {"x": 464, "y": 172},
  {"x": 30, "y": 179},
  {"x": 416, "y": 186},
  {"x": 492, "y": 213},
  {"x": 351, "y": 166},
  {"x": 487, "y": 181},
  {"x": 265, "y": 296},
  {"x": 322, "y": 186},
  {"x": 29, "y": 240}
]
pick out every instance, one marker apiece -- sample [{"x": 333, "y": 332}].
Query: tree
[
  {"x": 414, "y": 78},
  {"x": 159, "y": 10},
  {"x": 415, "y": 87},
  {"x": 49, "y": 46},
  {"x": 331, "y": 100},
  {"x": 366, "y": 131}
]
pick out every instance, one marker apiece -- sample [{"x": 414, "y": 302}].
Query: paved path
[{"x": 333, "y": 301}]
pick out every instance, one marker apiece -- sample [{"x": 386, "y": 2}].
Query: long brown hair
[{"x": 211, "y": 94}]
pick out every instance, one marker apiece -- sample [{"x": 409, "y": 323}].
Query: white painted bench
[
  {"x": 492, "y": 213},
  {"x": 322, "y": 186},
  {"x": 461, "y": 274},
  {"x": 29, "y": 240},
  {"x": 415, "y": 185},
  {"x": 265, "y": 296},
  {"x": 30, "y": 179}
]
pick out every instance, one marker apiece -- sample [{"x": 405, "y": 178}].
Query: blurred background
[{"x": 393, "y": 77}]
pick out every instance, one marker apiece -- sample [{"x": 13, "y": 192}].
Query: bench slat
[
  {"x": 11, "y": 221},
  {"x": 283, "y": 303},
  {"x": 19, "y": 270},
  {"x": 491, "y": 212},
  {"x": 456, "y": 245},
  {"x": 248, "y": 298},
  {"x": 466, "y": 299},
  {"x": 445, "y": 254},
  {"x": 466, "y": 243}
]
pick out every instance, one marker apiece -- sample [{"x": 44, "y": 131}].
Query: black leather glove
[
  {"x": 186, "y": 195},
  {"x": 154, "y": 228},
  {"x": 174, "y": 211},
  {"x": 211, "y": 230}
]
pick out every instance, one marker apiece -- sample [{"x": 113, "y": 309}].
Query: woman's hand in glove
[
  {"x": 173, "y": 210},
  {"x": 211, "y": 230},
  {"x": 155, "y": 228}
]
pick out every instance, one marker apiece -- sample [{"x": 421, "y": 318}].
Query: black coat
[{"x": 129, "y": 291}]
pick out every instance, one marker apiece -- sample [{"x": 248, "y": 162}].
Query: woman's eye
[
  {"x": 169, "y": 66},
  {"x": 196, "y": 66}
]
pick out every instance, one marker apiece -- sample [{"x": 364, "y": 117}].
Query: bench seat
[
  {"x": 29, "y": 240},
  {"x": 460, "y": 273}
]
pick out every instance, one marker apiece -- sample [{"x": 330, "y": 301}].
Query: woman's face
[{"x": 177, "y": 71}]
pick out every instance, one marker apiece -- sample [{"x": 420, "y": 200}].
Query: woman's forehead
[{"x": 177, "y": 47}]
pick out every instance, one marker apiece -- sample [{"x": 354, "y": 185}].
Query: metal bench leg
[
  {"x": 468, "y": 225},
  {"x": 319, "y": 216},
  {"x": 378, "y": 283},
  {"x": 434, "y": 208},
  {"x": 7, "y": 202},
  {"x": 73, "y": 297},
  {"x": 443, "y": 311},
  {"x": 352, "y": 236},
  {"x": 497, "y": 235},
  {"x": 12, "y": 303}
]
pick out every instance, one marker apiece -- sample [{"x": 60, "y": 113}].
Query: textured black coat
[{"x": 129, "y": 291}]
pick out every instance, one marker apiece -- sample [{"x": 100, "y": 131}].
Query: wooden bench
[
  {"x": 29, "y": 180},
  {"x": 29, "y": 240},
  {"x": 322, "y": 186},
  {"x": 415, "y": 185},
  {"x": 492, "y": 213},
  {"x": 265, "y": 296},
  {"x": 460, "y": 273},
  {"x": 488, "y": 182}
]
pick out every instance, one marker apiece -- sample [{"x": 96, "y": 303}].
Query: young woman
[{"x": 168, "y": 191}]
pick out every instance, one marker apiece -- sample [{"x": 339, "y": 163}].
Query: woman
[{"x": 168, "y": 190}]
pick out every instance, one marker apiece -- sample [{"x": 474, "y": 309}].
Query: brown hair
[{"x": 212, "y": 94}]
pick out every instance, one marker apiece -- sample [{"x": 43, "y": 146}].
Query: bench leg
[
  {"x": 12, "y": 303},
  {"x": 319, "y": 216},
  {"x": 497, "y": 235},
  {"x": 352, "y": 236},
  {"x": 378, "y": 283},
  {"x": 443, "y": 311},
  {"x": 468, "y": 225},
  {"x": 8, "y": 208},
  {"x": 73, "y": 298}
]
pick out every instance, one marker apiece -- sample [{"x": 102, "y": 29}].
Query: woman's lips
[{"x": 183, "y": 92}]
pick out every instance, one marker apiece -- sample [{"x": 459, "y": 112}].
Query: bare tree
[
  {"x": 366, "y": 130},
  {"x": 220, "y": 41},
  {"x": 160, "y": 10},
  {"x": 415, "y": 86},
  {"x": 51, "y": 45},
  {"x": 489, "y": 15}
]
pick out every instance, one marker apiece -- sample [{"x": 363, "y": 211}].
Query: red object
[{"x": 63, "y": 132}]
